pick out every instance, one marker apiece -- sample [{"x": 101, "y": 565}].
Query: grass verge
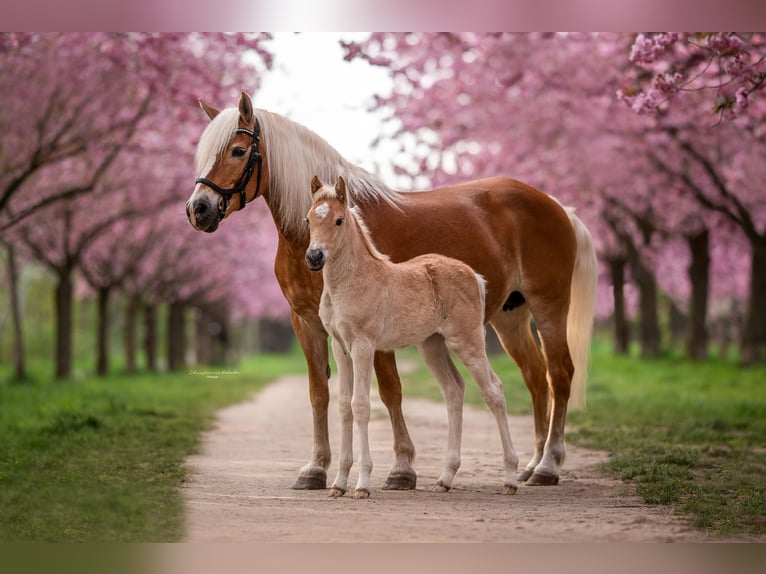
[
  {"x": 691, "y": 435},
  {"x": 101, "y": 460}
]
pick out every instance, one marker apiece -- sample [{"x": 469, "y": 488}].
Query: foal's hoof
[
  {"x": 401, "y": 481},
  {"x": 441, "y": 487},
  {"x": 543, "y": 479},
  {"x": 361, "y": 493},
  {"x": 510, "y": 489},
  {"x": 316, "y": 481},
  {"x": 336, "y": 492}
]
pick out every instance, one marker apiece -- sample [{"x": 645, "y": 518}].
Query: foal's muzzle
[{"x": 315, "y": 259}]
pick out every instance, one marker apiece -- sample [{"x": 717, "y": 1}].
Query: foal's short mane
[{"x": 294, "y": 154}]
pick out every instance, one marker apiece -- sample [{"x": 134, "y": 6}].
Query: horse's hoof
[
  {"x": 311, "y": 482},
  {"x": 510, "y": 489},
  {"x": 361, "y": 493},
  {"x": 539, "y": 478},
  {"x": 401, "y": 481},
  {"x": 336, "y": 492},
  {"x": 525, "y": 474},
  {"x": 440, "y": 487}
]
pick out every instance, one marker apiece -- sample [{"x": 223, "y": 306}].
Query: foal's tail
[{"x": 581, "y": 307}]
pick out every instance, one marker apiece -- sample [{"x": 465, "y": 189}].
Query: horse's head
[
  {"x": 326, "y": 217},
  {"x": 228, "y": 156}
]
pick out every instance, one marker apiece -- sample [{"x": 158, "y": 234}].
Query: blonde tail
[{"x": 581, "y": 308}]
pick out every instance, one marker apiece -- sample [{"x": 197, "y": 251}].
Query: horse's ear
[
  {"x": 246, "y": 108},
  {"x": 316, "y": 185},
  {"x": 340, "y": 189},
  {"x": 210, "y": 111}
]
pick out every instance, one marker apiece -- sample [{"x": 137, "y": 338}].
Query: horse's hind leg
[
  {"x": 471, "y": 350},
  {"x": 450, "y": 381},
  {"x": 551, "y": 321},
  {"x": 401, "y": 476},
  {"x": 515, "y": 334}
]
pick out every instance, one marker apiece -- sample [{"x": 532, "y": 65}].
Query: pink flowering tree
[
  {"x": 704, "y": 92},
  {"x": 97, "y": 132}
]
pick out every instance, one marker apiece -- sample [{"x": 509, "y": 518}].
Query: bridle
[{"x": 244, "y": 179}]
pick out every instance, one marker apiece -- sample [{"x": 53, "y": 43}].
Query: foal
[{"x": 369, "y": 303}]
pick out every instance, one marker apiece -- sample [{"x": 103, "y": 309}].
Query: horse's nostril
[{"x": 200, "y": 208}]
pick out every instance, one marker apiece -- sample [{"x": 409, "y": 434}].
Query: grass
[
  {"x": 101, "y": 460},
  {"x": 691, "y": 435}
]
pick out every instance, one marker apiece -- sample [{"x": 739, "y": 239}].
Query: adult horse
[{"x": 537, "y": 257}]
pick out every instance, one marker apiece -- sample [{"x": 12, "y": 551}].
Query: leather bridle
[{"x": 244, "y": 179}]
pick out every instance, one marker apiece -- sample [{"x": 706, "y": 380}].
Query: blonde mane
[{"x": 294, "y": 154}]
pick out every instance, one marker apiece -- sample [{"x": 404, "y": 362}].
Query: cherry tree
[
  {"x": 705, "y": 91},
  {"x": 85, "y": 115}
]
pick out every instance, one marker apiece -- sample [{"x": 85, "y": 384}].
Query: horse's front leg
[
  {"x": 345, "y": 394},
  {"x": 401, "y": 476},
  {"x": 313, "y": 341},
  {"x": 362, "y": 353}
]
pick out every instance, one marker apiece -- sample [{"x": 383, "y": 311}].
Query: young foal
[{"x": 370, "y": 303}]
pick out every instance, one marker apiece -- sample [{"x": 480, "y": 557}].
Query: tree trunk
[
  {"x": 699, "y": 279},
  {"x": 176, "y": 336},
  {"x": 19, "y": 356},
  {"x": 131, "y": 313},
  {"x": 203, "y": 338},
  {"x": 621, "y": 327},
  {"x": 102, "y": 336},
  {"x": 150, "y": 337},
  {"x": 754, "y": 336},
  {"x": 649, "y": 327},
  {"x": 64, "y": 325}
]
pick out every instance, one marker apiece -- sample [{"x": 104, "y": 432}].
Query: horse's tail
[{"x": 581, "y": 308}]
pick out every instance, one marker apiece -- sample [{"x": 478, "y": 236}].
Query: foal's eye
[
  {"x": 238, "y": 152},
  {"x": 339, "y": 221}
]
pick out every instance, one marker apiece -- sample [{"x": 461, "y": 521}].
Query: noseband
[{"x": 244, "y": 179}]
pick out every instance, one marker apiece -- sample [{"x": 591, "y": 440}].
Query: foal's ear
[
  {"x": 210, "y": 111},
  {"x": 340, "y": 189},
  {"x": 246, "y": 109},
  {"x": 316, "y": 185}
]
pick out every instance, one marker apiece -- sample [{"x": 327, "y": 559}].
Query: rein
[{"x": 244, "y": 179}]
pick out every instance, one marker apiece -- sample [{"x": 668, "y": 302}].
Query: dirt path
[{"x": 239, "y": 488}]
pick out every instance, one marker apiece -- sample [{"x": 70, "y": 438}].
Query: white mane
[{"x": 294, "y": 154}]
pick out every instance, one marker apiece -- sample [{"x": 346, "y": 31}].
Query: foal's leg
[
  {"x": 401, "y": 476},
  {"x": 472, "y": 352},
  {"x": 345, "y": 394},
  {"x": 450, "y": 381},
  {"x": 515, "y": 334},
  {"x": 362, "y": 353},
  {"x": 313, "y": 341}
]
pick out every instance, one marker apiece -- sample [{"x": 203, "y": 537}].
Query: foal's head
[{"x": 326, "y": 220}]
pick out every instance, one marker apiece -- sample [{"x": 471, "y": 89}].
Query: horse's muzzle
[{"x": 315, "y": 259}]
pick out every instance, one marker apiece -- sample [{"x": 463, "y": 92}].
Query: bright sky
[{"x": 312, "y": 85}]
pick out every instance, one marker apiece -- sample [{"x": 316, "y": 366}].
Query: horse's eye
[
  {"x": 238, "y": 152},
  {"x": 307, "y": 221},
  {"x": 339, "y": 221}
]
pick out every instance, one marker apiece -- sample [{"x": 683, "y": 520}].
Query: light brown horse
[
  {"x": 537, "y": 257},
  {"x": 370, "y": 303}
]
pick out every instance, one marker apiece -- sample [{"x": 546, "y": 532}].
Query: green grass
[
  {"x": 101, "y": 460},
  {"x": 689, "y": 435}
]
